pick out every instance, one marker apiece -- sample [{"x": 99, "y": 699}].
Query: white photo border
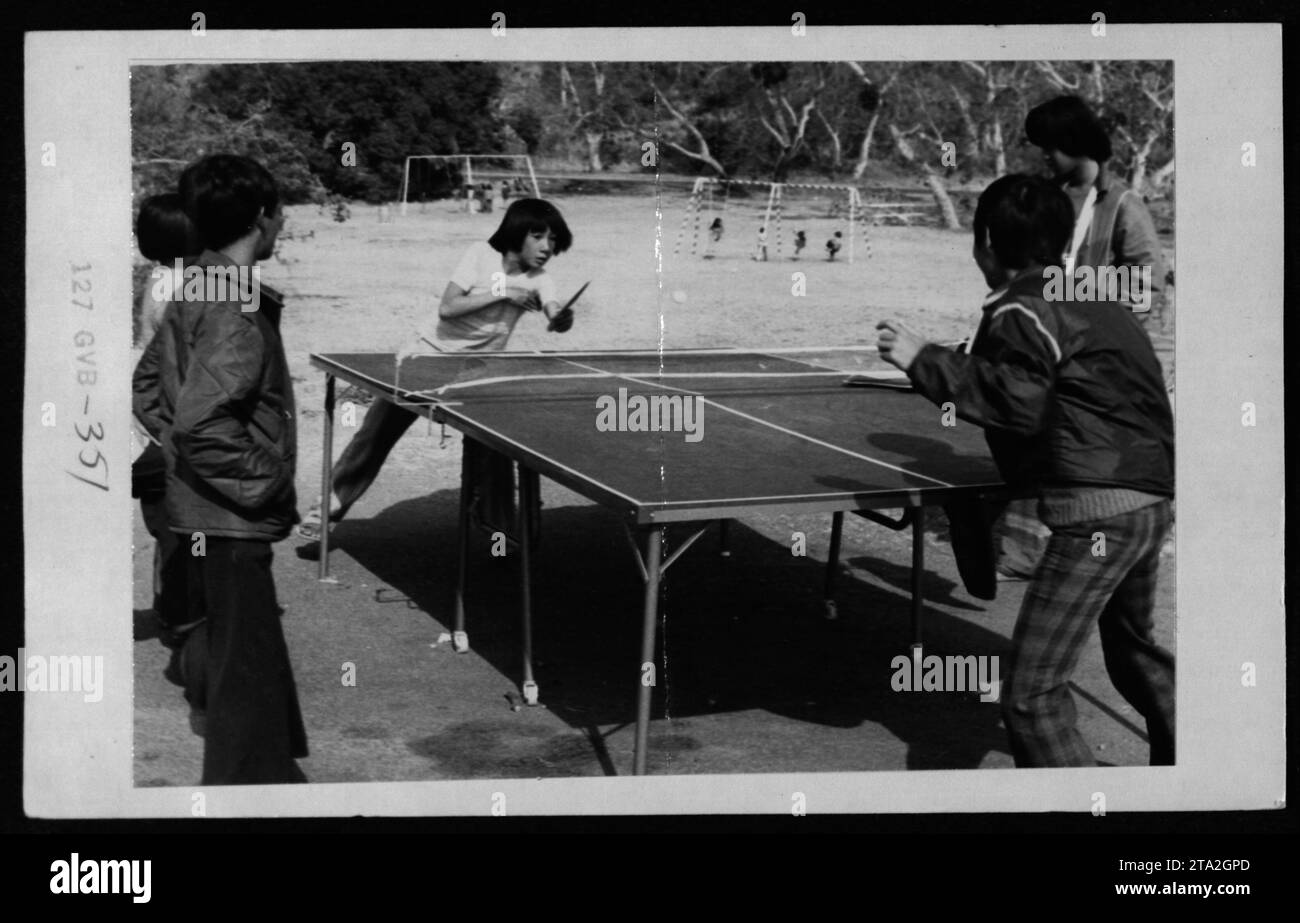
[{"x": 77, "y": 756}]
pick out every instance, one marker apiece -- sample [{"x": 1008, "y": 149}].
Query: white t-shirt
[
  {"x": 488, "y": 328},
  {"x": 159, "y": 288}
]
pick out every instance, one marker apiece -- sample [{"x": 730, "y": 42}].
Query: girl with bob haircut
[
  {"x": 1067, "y": 124},
  {"x": 164, "y": 234},
  {"x": 1112, "y": 224},
  {"x": 475, "y": 315},
  {"x": 525, "y": 216}
]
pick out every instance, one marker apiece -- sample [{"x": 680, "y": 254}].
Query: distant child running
[
  {"x": 800, "y": 241},
  {"x": 715, "y": 237},
  {"x": 1073, "y": 405},
  {"x": 493, "y": 286},
  {"x": 833, "y": 246}
]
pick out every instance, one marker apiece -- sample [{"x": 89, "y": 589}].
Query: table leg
[
  {"x": 326, "y": 481},
  {"x": 459, "y": 637},
  {"x": 649, "y": 625},
  {"x": 833, "y": 566},
  {"x": 918, "y": 571},
  {"x": 724, "y": 537},
  {"x": 527, "y": 492}
]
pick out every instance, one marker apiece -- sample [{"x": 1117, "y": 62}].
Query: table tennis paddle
[
  {"x": 568, "y": 307},
  {"x": 897, "y": 381}
]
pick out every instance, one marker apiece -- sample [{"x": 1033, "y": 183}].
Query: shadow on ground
[{"x": 737, "y": 633}]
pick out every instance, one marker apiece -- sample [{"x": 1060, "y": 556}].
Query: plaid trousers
[
  {"x": 1072, "y": 589},
  {"x": 1022, "y": 537}
]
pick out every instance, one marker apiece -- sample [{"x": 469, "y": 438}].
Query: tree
[
  {"x": 169, "y": 130},
  {"x": 933, "y": 179},
  {"x": 784, "y": 101},
  {"x": 587, "y": 109},
  {"x": 1135, "y": 101},
  {"x": 933, "y": 101},
  {"x": 699, "y": 111},
  {"x": 875, "y": 83},
  {"x": 388, "y": 110},
  {"x": 1139, "y": 110}
]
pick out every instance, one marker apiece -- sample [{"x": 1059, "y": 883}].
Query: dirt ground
[{"x": 756, "y": 680}]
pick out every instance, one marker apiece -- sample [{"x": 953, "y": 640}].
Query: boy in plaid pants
[{"x": 1073, "y": 403}]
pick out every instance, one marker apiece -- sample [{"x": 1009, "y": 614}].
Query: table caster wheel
[{"x": 530, "y": 693}]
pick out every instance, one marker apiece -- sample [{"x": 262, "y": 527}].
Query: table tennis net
[{"x": 451, "y": 378}]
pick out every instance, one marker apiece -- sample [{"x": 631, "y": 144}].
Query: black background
[{"x": 1070, "y": 859}]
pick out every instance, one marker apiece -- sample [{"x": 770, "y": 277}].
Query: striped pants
[{"x": 1072, "y": 589}]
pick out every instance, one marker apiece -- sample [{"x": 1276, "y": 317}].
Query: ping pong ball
[{"x": 679, "y": 296}]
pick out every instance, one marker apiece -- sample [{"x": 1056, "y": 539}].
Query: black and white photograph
[{"x": 686, "y": 421}]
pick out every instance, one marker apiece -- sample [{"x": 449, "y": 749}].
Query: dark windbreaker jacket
[
  {"x": 1070, "y": 394},
  {"x": 213, "y": 388}
]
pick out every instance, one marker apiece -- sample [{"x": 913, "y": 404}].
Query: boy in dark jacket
[
  {"x": 1073, "y": 404},
  {"x": 214, "y": 389}
]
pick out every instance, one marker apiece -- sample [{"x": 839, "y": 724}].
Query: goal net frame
[
  {"x": 707, "y": 191},
  {"x": 466, "y": 162}
]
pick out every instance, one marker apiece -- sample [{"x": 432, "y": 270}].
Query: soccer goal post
[
  {"x": 764, "y": 220},
  {"x": 449, "y": 176}
]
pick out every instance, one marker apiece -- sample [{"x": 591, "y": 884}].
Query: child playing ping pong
[
  {"x": 495, "y": 283},
  {"x": 1073, "y": 405},
  {"x": 1112, "y": 227}
]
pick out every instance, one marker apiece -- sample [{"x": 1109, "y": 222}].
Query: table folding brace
[{"x": 913, "y": 516}]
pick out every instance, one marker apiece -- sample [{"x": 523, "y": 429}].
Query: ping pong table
[{"x": 682, "y": 436}]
